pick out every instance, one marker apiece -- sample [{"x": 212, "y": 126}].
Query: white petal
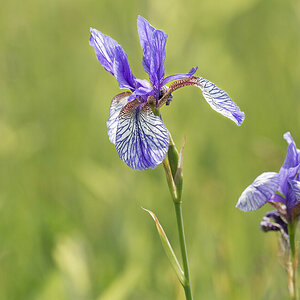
[
  {"x": 117, "y": 103},
  {"x": 259, "y": 192}
]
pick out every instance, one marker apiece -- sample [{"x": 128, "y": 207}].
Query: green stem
[
  {"x": 187, "y": 285},
  {"x": 175, "y": 187},
  {"x": 293, "y": 262}
]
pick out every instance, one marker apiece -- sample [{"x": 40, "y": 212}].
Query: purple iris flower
[
  {"x": 140, "y": 136},
  {"x": 281, "y": 189}
]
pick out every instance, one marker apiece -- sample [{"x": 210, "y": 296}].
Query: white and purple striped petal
[
  {"x": 117, "y": 103},
  {"x": 142, "y": 139},
  {"x": 220, "y": 101},
  {"x": 259, "y": 192},
  {"x": 113, "y": 58}
]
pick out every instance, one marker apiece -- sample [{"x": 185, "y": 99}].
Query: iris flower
[
  {"x": 281, "y": 189},
  {"x": 135, "y": 125}
]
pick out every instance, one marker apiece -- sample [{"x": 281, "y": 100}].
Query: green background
[{"x": 71, "y": 223}]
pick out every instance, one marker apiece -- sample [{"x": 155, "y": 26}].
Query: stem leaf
[{"x": 168, "y": 249}]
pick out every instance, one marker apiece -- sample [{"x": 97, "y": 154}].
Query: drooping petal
[
  {"x": 122, "y": 70},
  {"x": 113, "y": 58},
  {"x": 117, "y": 103},
  {"x": 220, "y": 101},
  {"x": 180, "y": 76},
  {"x": 293, "y": 154},
  {"x": 145, "y": 31},
  {"x": 259, "y": 192},
  {"x": 158, "y": 55},
  {"x": 142, "y": 138}
]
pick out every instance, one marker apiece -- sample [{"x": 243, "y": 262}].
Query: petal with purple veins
[
  {"x": 142, "y": 139},
  {"x": 117, "y": 103},
  {"x": 259, "y": 192},
  {"x": 220, "y": 101}
]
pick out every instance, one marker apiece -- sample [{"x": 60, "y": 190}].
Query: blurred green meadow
[{"x": 71, "y": 223}]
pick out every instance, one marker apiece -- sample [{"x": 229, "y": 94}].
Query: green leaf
[{"x": 168, "y": 249}]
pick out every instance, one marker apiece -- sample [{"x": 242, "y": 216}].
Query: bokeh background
[{"x": 71, "y": 223}]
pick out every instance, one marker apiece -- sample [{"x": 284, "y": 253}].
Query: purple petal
[
  {"x": 143, "y": 83},
  {"x": 158, "y": 55},
  {"x": 179, "y": 76},
  {"x": 140, "y": 93},
  {"x": 220, "y": 101},
  {"x": 278, "y": 197},
  {"x": 104, "y": 47},
  {"x": 153, "y": 43},
  {"x": 292, "y": 196},
  {"x": 122, "y": 70},
  {"x": 259, "y": 192},
  {"x": 293, "y": 154},
  {"x": 117, "y": 103},
  {"x": 113, "y": 58},
  {"x": 142, "y": 139},
  {"x": 145, "y": 31},
  {"x": 295, "y": 187},
  {"x": 284, "y": 176}
]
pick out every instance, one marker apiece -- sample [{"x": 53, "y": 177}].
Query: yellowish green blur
[{"x": 71, "y": 223}]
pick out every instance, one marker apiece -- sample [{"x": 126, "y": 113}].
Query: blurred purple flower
[
  {"x": 282, "y": 189},
  {"x": 140, "y": 137}
]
